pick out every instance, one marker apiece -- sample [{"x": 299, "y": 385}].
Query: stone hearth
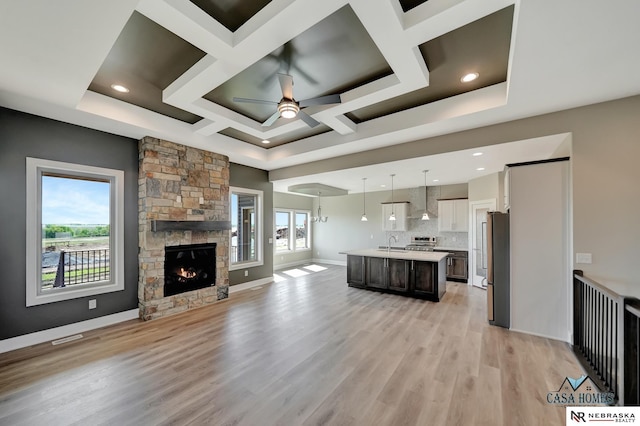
[{"x": 179, "y": 183}]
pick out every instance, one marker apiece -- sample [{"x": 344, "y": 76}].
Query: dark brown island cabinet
[
  {"x": 425, "y": 279},
  {"x": 457, "y": 265}
]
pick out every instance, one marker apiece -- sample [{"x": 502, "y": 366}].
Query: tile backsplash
[{"x": 418, "y": 227}]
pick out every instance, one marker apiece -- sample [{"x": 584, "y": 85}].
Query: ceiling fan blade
[
  {"x": 254, "y": 101},
  {"x": 286, "y": 83},
  {"x": 311, "y": 122},
  {"x": 322, "y": 100},
  {"x": 271, "y": 119}
]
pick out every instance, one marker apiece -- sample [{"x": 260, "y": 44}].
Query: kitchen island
[{"x": 419, "y": 274}]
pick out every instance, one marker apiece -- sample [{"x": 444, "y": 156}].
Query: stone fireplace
[{"x": 183, "y": 210}]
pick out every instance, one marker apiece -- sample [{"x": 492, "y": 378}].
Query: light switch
[
  {"x": 583, "y": 257},
  {"x": 93, "y": 304}
]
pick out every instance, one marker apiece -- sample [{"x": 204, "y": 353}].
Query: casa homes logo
[
  {"x": 599, "y": 415},
  {"x": 580, "y": 391}
]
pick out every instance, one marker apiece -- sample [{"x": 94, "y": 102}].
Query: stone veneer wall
[{"x": 177, "y": 182}]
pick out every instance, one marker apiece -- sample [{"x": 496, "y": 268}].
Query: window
[
  {"x": 75, "y": 231},
  {"x": 302, "y": 230},
  {"x": 246, "y": 228},
  {"x": 292, "y": 230},
  {"x": 283, "y": 224}
]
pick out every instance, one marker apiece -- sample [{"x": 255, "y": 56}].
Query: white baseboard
[
  {"x": 330, "y": 262},
  {"x": 245, "y": 286},
  {"x": 540, "y": 335},
  {"x": 38, "y": 337},
  {"x": 291, "y": 264}
]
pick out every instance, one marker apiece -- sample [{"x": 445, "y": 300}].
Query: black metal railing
[
  {"x": 603, "y": 337},
  {"x": 82, "y": 266},
  {"x": 631, "y": 355}
]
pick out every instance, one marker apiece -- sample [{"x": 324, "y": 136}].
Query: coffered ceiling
[
  {"x": 396, "y": 65},
  {"x": 335, "y": 55}
]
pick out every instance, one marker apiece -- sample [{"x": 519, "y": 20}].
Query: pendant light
[
  {"x": 364, "y": 202},
  {"x": 393, "y": 214},
  {"x": 425, "y": 215},
  {"x": 319, "y": 218}
]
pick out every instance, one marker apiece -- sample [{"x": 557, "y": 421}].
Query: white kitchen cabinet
[
  {"x": 453, "y": 215},
  {"x": 400, "y": 210}
]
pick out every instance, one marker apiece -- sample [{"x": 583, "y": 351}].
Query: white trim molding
[
  {"x": 35, "y": 169},
  {"x": 329, "y": 262},
  {"x": 245, "y": 286},
  {"x": 38, "y": 337},
  {"x": 259, "y": 217}
]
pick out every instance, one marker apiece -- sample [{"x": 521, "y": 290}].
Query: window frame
[
  {"x": 308, "y": 245},
  {"x": 35, "y": 168},
  {"x": 275, "y": 230},
  {"x": 233, "y": 266},
  {"x": 292, "y": 227}
]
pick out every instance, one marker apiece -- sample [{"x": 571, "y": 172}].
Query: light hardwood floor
[{"x": 304, "y": 351}]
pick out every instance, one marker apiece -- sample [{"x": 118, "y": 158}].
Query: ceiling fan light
[{"x": 288, "y": 109}]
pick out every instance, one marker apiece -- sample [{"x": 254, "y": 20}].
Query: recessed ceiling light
[
  {"x": 469, "y": 77},
  {"x": 480, "y": 169},
  {"x": 119, "y": 88},
  {"x": 383, "y": 186},
  {"x": 477, "y": 154},
  {"x": 266, "y": 141},
  {"x": 436, "y": 180}
]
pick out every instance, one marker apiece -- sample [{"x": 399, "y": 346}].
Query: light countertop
[
  {"x": 425, "y": 256},
  {"x": 451, "y": 248}
]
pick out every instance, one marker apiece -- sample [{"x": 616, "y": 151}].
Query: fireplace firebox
[{"x": 189, "y": 267}]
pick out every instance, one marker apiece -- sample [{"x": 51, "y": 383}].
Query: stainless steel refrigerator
[{"x": 498, "y": 271}]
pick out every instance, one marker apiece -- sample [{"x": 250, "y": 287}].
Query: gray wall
[
  {"x": 21, "y": 136},
  {"x": 300, "y": 202},
  {"x": 252, "y": 178},
  {"x": 486, "y": 188},
  {"x": 604, "y": 161}
]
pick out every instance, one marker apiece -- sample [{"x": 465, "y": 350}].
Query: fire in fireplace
[{"x": 189, "y": 267}]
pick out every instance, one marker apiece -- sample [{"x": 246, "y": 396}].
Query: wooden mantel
[{"x": 190, "y": 225}]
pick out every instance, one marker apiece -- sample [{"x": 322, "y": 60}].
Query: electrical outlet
[
  {"x": 454, "y": 239},
  {"x": 583, "y": 258},
  {"x": 246, "y": 273},
  {"x": 270, "y": 240},
  {"x": 93, "y": 303}
]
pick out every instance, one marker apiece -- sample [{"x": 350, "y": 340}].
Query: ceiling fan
[{"x": 288, "y": 107}]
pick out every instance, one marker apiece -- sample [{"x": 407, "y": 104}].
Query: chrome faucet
[{"x": 389, "y": 242}]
